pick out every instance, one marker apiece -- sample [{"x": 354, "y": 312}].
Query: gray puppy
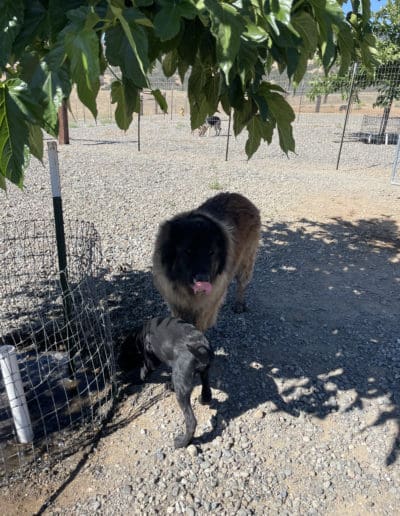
[{"x": 180, "y": 346}]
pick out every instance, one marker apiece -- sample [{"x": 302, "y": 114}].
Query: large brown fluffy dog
[{"x": 198, "y": 253}]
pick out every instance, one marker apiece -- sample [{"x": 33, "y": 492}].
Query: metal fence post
[
  {"x": 227, "y": 139},
  {"x": 60, "y": 239},
  {"x": 347, "y": 113}
]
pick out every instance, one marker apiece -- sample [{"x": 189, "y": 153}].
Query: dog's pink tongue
[{"x": 202, "y": 286}]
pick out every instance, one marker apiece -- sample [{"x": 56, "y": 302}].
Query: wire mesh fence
[
  {"x": 374, "y": 94},
  {"x": 335, "y": 113},
  {"x": 396, "y": 166},
  {"x": 64, "y": 369}
]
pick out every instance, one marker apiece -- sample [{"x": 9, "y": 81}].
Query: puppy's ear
[{"x": 201, "y": 351}]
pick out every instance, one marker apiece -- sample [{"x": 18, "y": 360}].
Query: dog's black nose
[{"x": 201, "y": 277}]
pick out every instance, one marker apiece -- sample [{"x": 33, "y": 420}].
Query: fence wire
[
  {"x": 318, "y": 102},
  {"x": 66, "y": 365},
  {"x": 396, "y": 166}
]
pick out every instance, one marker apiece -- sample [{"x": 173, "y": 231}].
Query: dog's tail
[{"x": 201, "y": 349}]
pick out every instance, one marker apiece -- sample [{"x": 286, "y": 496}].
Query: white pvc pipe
[
  {"x": 15, "y": 392},
  {"x": 54, "y": 168}
]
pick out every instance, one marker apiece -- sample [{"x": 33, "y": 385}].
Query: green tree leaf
[
  {"x": 119, "y": 52},
  {"x": 127, "y": 99},
  {"x": 34, "y": 27},
  {"x": 284, "y": 115},
  {"x": 281, "y": 9},
  {"x": 13, "y": 138},
  {"x": 227, "y": 27},
  {"x": 170, "y": 63},
  {"x": 160, "y": 100},
  {"x": 82, "y": 47},
  {"x": 11, "y": 19},
  {"x": 50, "y": 87},
  {"x": 35, "y": 141},
  {"x": 307, "y": 28},
  {"x": 19, "y": 92},
  {"x": 167, "y": 22},
  {"x": 137, "y": 40},
  {"x": 241, "y": 117},
  {"x": 254, "y": 137}
]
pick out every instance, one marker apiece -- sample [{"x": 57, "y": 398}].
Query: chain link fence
[{"x": 57, "y": 372}]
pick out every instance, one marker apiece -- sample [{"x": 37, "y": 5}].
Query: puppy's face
[
  {"x": 195, "y": 252},
  {"x": 131, "y": 353}
]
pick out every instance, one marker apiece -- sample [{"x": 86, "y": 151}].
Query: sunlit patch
[
  {"x": 326, "y": 376},
  {"x": 395, "y": 259},
  {"x": 331, "y": 287},
  {"x": 256, "y": 365},
  {"x": 288, "y": 268},
  {"x": 357, "y": 292},
  {"x": 335, "y": 331}
]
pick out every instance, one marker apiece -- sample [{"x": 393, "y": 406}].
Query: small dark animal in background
[
  {"x": 211, "y": 121},
  {"x": 183, "y": 348}
]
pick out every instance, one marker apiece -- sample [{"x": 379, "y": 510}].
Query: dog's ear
[
  {"x": 167, "y": 251},
  {"x": 201, "y": 350}
]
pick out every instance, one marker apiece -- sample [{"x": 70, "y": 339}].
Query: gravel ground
[{"x": 305, "y": 415}]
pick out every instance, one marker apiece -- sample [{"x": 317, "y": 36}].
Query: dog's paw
[
  {"x": 205, "y": 398},
  {"x": 143, "y": 373},
  {"x": 181, "y": 441},
  {"x": 239, "y": 307},
  {"x": 169, "y": 386}
]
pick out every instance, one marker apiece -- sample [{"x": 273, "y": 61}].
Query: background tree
[
  {"x": 386, "y": 26},
  {"x": 384, "y": 75},
  {"x": 227, "y": 47}
]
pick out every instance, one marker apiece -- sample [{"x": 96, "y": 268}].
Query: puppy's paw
[
  {"x": 169, "y": 386},
  {"x": 143, "y": 373},
  {"x": 205, "y": 398},
  {"x": 239, "y": 307},
  {"x": 181, "y": 441}
]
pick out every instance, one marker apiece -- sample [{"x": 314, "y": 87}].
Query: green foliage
[
  {"x": 127, "y": 98},
  {"x": 227, "y": 47},
  {"x": 385, "y": 73}
]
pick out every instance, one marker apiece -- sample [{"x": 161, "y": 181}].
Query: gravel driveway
[{"x": 306, "y": 384}]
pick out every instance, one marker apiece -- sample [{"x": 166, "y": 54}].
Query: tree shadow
[
  {"x": 88, "y": 141},
  {"x": 324, "y": 304},
  {"x": 322, "y": 322}
]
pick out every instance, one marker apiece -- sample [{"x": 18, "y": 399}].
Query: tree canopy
[{"x": 227, "y": 48}]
